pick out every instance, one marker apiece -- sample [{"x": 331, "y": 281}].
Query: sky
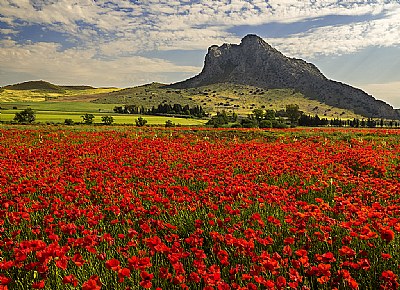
[{"x": 124, "y": 43}]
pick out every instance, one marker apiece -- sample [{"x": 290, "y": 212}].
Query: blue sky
[{"x": 125, "y": 43}]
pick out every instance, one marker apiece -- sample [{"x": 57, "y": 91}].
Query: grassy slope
[
  {"x": 8, "y": 95},
  {"x": 239, "y": 98}
]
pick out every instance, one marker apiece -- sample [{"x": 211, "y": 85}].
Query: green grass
[
  {"x": 57, "y": 112},
  {"x": 59, "y": 107},
  {"x": 59, "y": 117},
  {"x": 241, "y": 99}
]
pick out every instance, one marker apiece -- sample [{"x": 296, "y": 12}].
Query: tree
[
  {"x": 25, "y": 116},
  {"x": 107, "y": 120},
  {"x": 68, "y": 122},
  {"x": 88, "y": 119},
  {"x": 269, "y": 115},
  {"x": 140, "y": 122},
  {"x": 265, "y": 124},
  {"x": 219, "y": 120},
  {"x": 293, "y": 112},
  {"x": 258, "y": 114},
  {"x": 249, "y": 123}
]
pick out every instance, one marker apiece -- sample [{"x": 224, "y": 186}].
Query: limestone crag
[{"x": 254, "y": 62}]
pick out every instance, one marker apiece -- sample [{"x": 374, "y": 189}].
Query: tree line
[
  {"x": 259, "y": 118},
  {"x": 291, "y": 116},
  {"x": 163, "y": 109}
]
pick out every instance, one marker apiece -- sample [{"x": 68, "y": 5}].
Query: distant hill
[
  {"x": 36, "y": 85},
  {"x": 254, "y": 62},
  {"x": 37, "y": 91},
  {"x": 79, "y": 88}
]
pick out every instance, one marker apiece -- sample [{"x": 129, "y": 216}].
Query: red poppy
[
  {"x": 70, "y": 279},
  {"x": 38, "y": 285},
  {"x": 387, "y": 235},
  {"x": 92, "y": 284},
  {"x": 123, "y": 273},
  {"x": 146, "y": 279},
  {"x": 113, "y": 264}
]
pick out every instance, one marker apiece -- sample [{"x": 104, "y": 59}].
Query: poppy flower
[
  {"x": 146, "y": 279},
  {"x": 92, "y": 284},
  {"x": 38, "y": 285},
  {"x": 113, "y": 264},
  {"x": 70, "y": 279},
  {"x": 387, "y": 235}
]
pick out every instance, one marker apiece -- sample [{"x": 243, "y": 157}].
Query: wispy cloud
[
  {"x": 108, "y": 34},
  {"x": 343, "y": 39},
  {"x": 46, "y": 61}
]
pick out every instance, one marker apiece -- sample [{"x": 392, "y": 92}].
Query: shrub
[
  {"x": 248, "y": 123},
  {"x": 88, "y": 118},
  {"x": 169, "y": 123},
  {"x": 25, "y": 116},
  {"x": 140, "y": 122},
  {"x": 107, "y": 120},
  {"x": 68, "y": 122},
  {"x": 265, "y": 124},
  {"x": 236, "y": 125}
]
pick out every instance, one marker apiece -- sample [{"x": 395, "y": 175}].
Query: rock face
[{"x": 254, "y": 62}]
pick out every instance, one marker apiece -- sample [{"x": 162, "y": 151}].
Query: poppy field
[{"x": 181, "y": 208}]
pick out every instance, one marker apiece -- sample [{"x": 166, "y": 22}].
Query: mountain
[{"x": 254, "y": 62}]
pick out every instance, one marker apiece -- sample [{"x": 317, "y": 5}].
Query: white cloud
[
  {"x": 155, "y": 24},
  {"x": 343, "y": 39},
  {"x": 109, "y": 34},
  {"x": 45, "y": 61}
]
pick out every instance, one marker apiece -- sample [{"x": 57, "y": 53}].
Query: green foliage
[
  {"x": 249, "y": 123},
  {"x": 262, "y": 119},
  {"x": 68, "y": 122},
  {"x": 293, "y": 113},
  {"x": 107, "y": 120},
  {"x": 88, "y": 119},
  {"x": 140, "y": 122},
  {"x": 269, "y": 115},
  {"x": 25, "y": 116},
  {"x": 258, "y": 114},
  {"x": 222, "y": 118},
  {"x": 236, "y": 125},
  {"x": 265, "y": 124},
  {"x": 169, "y": 123}
]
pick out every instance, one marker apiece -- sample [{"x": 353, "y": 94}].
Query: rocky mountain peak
[
  {"x": 254, "y": 62},
  {"x": 254, "y": 41}
]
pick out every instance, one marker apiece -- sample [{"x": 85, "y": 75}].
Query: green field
[{"x": 58, "y": 112}]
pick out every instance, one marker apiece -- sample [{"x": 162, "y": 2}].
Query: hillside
[
  {"x": 254, "y": 62},
  {"x": 40, "y": 91},
  {"x": 35, "y": 86},
  {"x": 241, "y": 99}
]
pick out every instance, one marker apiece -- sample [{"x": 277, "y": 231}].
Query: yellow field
[{"x": 39, "y": 96}]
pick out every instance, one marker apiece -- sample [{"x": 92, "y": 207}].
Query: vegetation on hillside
[{"x": 239, "y": 99}]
